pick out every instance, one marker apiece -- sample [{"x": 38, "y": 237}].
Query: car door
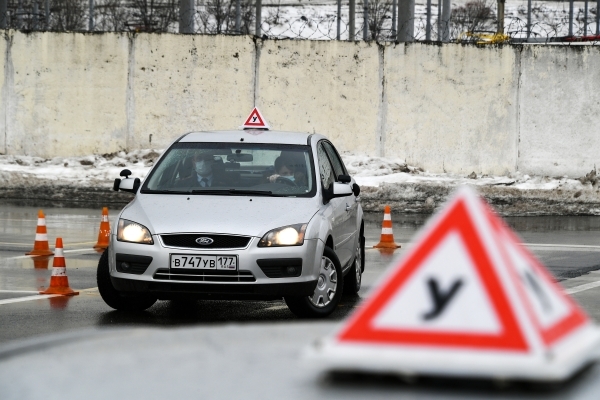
[
  {"x": 350, "y": 204},
  {"x": 336, "y": 207}
]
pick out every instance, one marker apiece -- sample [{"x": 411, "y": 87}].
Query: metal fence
[{"x": 381, "y": 20}]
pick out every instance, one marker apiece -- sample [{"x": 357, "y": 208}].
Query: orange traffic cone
[
  {"x": 387, "y": 235},
  {"x": 59, "y": 282},
  {"x": 41, "y": 262},
  {"x": 40, "y": 246},
  {"x": 104, "y": 233}
]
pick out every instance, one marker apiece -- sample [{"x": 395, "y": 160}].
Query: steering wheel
[{"x": 285, "y": 181}]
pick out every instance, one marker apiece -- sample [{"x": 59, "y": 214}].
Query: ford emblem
[{"x": 204, "y": 241}]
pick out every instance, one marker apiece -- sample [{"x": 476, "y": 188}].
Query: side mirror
[
  {"x": 128, "y": 184},
  {"x": 341, "y": 189},
  {"x": 356, "y": 189}
]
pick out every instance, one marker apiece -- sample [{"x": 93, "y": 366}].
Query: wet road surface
[{"x": 568, "y": 246}]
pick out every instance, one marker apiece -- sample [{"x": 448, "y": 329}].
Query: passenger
[
  {"x": 300, "y": 177},
  {"x": 298, "y": 164}
]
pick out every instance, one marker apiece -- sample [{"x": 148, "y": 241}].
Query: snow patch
[{"x": 367, "y": 171}]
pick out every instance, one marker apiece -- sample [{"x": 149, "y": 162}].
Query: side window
[
  {"x": 325, "y": 169},
  {"x": 338, "y": 165}
]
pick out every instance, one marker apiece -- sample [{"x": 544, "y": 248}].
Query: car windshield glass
[{"x": 233, "y": 169}]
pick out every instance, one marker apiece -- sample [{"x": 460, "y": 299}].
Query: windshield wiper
[
  {"x": 211, "y": 191},
  {"x": 235, "y": 191},
  {"x": 165, "y": 191},
  {"x": 258, "y": 192}
]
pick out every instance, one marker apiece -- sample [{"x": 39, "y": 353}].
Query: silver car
[{"x": 253, "y": 214}]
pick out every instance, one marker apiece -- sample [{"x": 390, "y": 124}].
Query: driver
[
  {"x": 204, "y": 175},
  {"x": 283, "y": 169}
]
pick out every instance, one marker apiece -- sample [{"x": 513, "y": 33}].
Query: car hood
[{"x": 239, "y": 215}]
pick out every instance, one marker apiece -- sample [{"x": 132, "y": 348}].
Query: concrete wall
[
  {"x": 559, "y": 109},
  {"x": 332, "y": 88},
  {"x": 65, "y": 93},
  {"x": 446, "y": 108},
  {"x": 451, "y": 108},
  {"x": 185, "y": 83}
]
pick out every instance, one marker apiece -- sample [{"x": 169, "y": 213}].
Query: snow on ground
[
  {"x": 374, "y": 171},
  {"x": 367, "y": 171},
  {"x": 80, "y": 171}
]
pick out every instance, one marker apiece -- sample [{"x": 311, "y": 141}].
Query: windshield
[{"x": 234, "y": 169}]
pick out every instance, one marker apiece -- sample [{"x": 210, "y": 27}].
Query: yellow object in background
[{"x": 483, "y": 37}]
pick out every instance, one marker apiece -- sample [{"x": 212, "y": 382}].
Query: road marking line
[
  {"x": 77, "y": 250},
  {"x": 40, "y": 296},
  {"x": 65, "y": 251},
  {"x": 581, "y": 246},
  {"x": 576, "y": 246},
  {"x": 67, "y": 245},
  {"x": 28, "y": 298},
  {"x": 583, "y": 287},
  {"x": 19, "y": 291}
]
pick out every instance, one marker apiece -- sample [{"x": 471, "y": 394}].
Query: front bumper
[{"x": 259, "y": 286}]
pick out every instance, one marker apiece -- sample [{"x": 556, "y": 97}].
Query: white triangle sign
[
  {"x": 256, "y": 121},
  {"x": 438, "y": 299},
  {"x": 554, "y": 314},
  {"x": 466, "y": 300}
]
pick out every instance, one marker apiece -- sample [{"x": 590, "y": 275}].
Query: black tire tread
[
  {"x": 303, "y": 308},
  {"x": 114, "y": 298},
  {"x": 351, "y": 286}
]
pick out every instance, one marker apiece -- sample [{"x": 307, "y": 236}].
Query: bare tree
[
  {"x": 112, "y": 15},
  {"x": 153, "y": 15},
  {"x": 218, "y": 16},
  {"x": 380, "y": 17},
  {"x": 68, "y": 15},
  {"x": 472, "y": 17}
]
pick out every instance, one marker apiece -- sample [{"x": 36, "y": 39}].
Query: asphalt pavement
[{"x": 32, "y": 327}]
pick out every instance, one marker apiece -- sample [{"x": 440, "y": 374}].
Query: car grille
[
  {"x": 188, "y": 240},
  {"x": 165, "y": 274}
]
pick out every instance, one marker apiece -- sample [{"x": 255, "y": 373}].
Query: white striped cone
[
  {"x": 387, "y": 235},
  {"x": 59, "y": 282},
  {"x": 40, "y": 246}
]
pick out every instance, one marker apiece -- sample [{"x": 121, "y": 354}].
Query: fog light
[
  {"x": 125, "y": 266},
  {"x": 290, "y": 270}
]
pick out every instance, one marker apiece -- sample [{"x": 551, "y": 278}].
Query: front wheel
[
  {"x": 353, "y": 279},
  {"x": 328, "y": 291},
  {"x": 114, "y": 298}
]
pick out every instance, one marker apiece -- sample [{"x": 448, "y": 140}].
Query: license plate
[{"x": 200, "y": 261}]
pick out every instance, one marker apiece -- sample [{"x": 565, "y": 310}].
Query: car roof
[{"x": 249, "y": 136}]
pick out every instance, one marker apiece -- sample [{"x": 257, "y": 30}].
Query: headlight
[
  {"x": 291, "y": 235},
  {"x": 129, "y": 231}
]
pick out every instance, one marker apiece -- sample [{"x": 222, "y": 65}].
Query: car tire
[
  {"x": 353, "y": 280},
  {"x": 327, "y": 294},
  {"x": 113, "y": 297}
]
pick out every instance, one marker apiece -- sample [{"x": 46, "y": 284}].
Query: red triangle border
[
  {"x": 573, "y": 320},
  {"x": 256, "y": 113},
  {"x": 457, "y": 219}
]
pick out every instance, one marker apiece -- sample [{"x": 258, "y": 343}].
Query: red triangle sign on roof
[
  {"x": 256, "y": 121},
  {"x": 465, "y": 300}
]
